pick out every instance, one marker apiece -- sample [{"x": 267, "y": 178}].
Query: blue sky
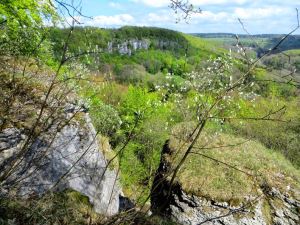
[{"x": 259, "y": 16}]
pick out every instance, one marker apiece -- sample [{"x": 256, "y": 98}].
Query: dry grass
[
  {"x": 108, "y": 152},
  {"x": 68, "y": 207}
]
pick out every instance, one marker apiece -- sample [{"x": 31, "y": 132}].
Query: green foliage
[
  {"x": 148, "y": 121},
  {"x": 105, "y": 118},
  {"x": 286, "y": 60},
  {"x": 102, "y": 101},
  {"x": 169, "y": 51},
  {"x": 176, "y": 79},
  {"x": 159, "y": 37},
  {"x": 291, "y": 42},
  {"x": 260, "y": 43},
  {"x": 21, "y": 25},
  {"x": 203, "y": 48},
  {"x": 24, "y": 12},
  {"x": 269, "y": 85},
  {"x": 280, "y": 136},
  {"x": 133, "y": 74},
  {"x": 83, "y": 39},
  {"x": 91, "y": 39}
]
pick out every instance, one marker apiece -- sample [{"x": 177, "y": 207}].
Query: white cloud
[
  {"x": 115, "y": 5},
  {"x": 165, "y": 17},
  {"x": 164, "y": 3},
  {"x": 268, "y": 16},
  {"x": 159, "y": 18},
  {"x": 260, "y": 13},
  {"x": 153, "y": 3},
  {"x": 210, "y": 16},
  {"x": 115, "y": 20},
  {"x": 255, "y": 20},
  {"x": 218, "y": 2}
]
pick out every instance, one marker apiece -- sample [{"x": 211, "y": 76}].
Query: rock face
[
  {"x": 70, "y": 159},
  {"x": 272, "y": 207},
  {"x": 128, "y": 47}
]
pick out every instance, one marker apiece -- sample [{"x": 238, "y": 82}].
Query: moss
[
  {"x": 79, "y": 117},
  {"x": 108, "y": 152},
  {"x": 68, "y": 207},
  {"x": 267, "y": 212},
  {"x": 234, "y": 202},
  {"x": 77, "y": 197}
]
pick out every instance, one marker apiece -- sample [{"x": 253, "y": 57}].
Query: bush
[
  {"x": 131, "y": 74},
  {"x": 148, "y": 120},
  {"x": 105, "y": 118}
]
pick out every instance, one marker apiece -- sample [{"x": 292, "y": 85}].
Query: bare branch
[{"x": 185, "y": 7}]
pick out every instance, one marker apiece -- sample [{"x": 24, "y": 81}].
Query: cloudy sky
[{"x": 259, "y": 16}]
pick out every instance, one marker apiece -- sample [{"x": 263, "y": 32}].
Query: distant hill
[
  {"x": 156, "y": 49},
  {"x": 112, "y": 40},
  {"x": 260, "y": 42},
  {"x": 223, "y": 35}
]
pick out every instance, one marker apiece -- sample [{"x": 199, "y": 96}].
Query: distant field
[
  {"x": 293, "y": 52},
  {"x": 247, "y": 42},
  {"x": 259, "y": 43}
]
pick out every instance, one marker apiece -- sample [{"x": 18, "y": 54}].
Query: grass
[
  {"x": 68, "y": 207},
  {"x": 207, "y": 47},
  {"x": 266, "y": 210},
  {"x": 245, "y": 41},
  {"x": 283, "y": 137},
  {"x": 204, "y": 177},
  {"x": 64, "y": 208},
  {"x": 108, "y": 152},
  {"x": 293, "y": 52}
]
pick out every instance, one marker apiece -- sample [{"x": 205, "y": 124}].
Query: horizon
[{"x": 224, "y": 33}]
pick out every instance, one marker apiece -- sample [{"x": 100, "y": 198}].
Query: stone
[{"x": 70, "y": 159}]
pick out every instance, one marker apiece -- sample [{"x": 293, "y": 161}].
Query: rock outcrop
[
  {"x": 271, "y": 207},
  {"x": 127, "y": 47},
  {"x": 68, "y": 159}
]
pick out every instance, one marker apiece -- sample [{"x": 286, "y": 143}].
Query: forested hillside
[
  {"x": 143, "y": 125},
  {"x": 157, "y": 49}
]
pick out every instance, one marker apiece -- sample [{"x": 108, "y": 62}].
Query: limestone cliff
[{"x": 127, "y": 47}]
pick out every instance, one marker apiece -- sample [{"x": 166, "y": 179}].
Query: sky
[{"x": 258, "y": 16}]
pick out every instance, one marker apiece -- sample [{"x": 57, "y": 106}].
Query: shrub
[
  {"x": 105, "y": 118},
  {"x": 131, "y": 74},
  {"x": 148, "y": 120}
]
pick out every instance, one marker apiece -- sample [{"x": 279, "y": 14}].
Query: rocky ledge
[{"x": 271, "y": 207}]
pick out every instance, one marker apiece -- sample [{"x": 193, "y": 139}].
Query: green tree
[
  {"x": 22, "y": 23},
  {"x": 148, "y": 120}
]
